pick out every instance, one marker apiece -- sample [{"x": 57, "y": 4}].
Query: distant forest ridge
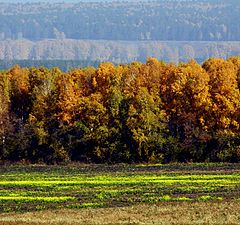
[
  {"x": 63, "y": 65},
  {"x": 114, "y": 51},
  {"x": 202, "y": 20}
]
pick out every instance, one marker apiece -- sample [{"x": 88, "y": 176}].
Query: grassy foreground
[
  {"x": 178, "y": 213},
  {"x": 120, "y": 194}
]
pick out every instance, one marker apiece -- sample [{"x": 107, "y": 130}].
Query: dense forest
[
  {"x": 202, "y": 20},
  {"x": 137, "y": 112}
]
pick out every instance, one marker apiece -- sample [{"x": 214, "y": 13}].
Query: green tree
[{"x": 148, "y": 125}]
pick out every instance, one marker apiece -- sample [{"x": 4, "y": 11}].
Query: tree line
[
  {"x": 138, "y": 112},
  {"x": 63, "y": 65}
]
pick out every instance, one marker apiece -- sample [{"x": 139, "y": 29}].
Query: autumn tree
[
  {"x": 20, "y": 99},
  {"x": 105, "y": 125},
  {"x": 236, "y": 62},
  {"x": 18, "y": 109},
  {"x": 42, "y": 116},
  {"x": 146, "y": 120},
  {"x": 5, "y": 123},
  {"x": 224, "y": 113},
  {"x": 187, "y": 101},
  {"x": 73, "y": 90},
  {"x": 152, "y": 112}
]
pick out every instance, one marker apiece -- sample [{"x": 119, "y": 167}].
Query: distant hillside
[
  {"x": 115, "y": 51},
  {"x": 117, "y": 31},
  {"x": 202, "y": 20}
]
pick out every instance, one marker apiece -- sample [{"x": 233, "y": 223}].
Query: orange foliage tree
[{"x": 152, "y": 112}]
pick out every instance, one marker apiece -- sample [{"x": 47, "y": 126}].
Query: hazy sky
[
  {"x": 24, "y": 1},
  {"x": 50, "y": 1}
]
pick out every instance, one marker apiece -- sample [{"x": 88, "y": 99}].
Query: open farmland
[{"x": 102, "y": 188}]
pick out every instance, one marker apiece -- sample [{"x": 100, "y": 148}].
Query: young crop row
[{"x": 35, "y": 191}]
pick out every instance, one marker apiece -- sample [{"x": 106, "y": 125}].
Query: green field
[{"x": 102, "y": 187}]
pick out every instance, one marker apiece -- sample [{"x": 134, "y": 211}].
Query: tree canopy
[{"x": 137, "y": 112}]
